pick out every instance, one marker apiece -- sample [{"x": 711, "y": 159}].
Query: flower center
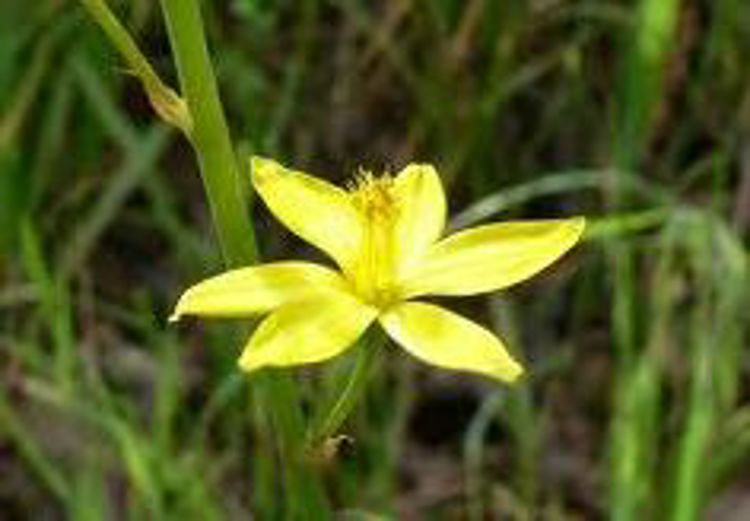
[{"x": 374, "y": 273}]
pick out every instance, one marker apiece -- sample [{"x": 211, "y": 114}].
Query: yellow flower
[{"x": 385, "y": 236}]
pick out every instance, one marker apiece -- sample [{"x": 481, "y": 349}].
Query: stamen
[
  {"x": 374, "y": 195},
  {"x": 376, "y": 200}
]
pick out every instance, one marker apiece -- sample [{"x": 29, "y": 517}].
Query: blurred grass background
[{"x": 635, "y": 113}]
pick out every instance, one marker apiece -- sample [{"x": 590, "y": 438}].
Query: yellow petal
[
  {"x": 421, "y": 212},
  {"x": 257, "y": 289},
  {"x": 306, "y": 332},
  {"x": 317, "y": 211},
  {"x": 442, "y": 338},
  {"x": 490, "y": 257}
]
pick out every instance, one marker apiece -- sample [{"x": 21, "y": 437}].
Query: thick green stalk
[
  {"x": 201, "y": 118},
  {"x": 224, "y": 186},
  {"x": 209, "y": 133}
]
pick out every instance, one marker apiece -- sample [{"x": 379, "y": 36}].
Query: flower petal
[
  {"x": 421, "y": 212},
  {"x": 317, "y": 211},
  {"x": 442, "y": 338},
  {"x": 491, "y": 257},
  {"x": 307, "y": 332},
  {"x": 257, "y": 289}
]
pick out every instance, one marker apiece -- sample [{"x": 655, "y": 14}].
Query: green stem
[
  {"x": 201, "y": 117},
  {"x": 210, "y": 135},
  {"x": 335, "y": 415},
  {"x": 221, "y": 177}
]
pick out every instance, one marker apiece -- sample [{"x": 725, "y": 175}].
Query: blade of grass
[
  {"x": 715, "y": 343},
  {"x": 54, "y": 300},
  {"x": 552, "y": 184},
  {"x": 15, "y": 185},
  {"x": 12, "y": 427},
  {"x": 293, "y": 77},
  {"x": 120, "y": 185},
  {"x": 15, "y": 116},
  {"x": 473, "y": 447},
  {"x": 520, "y": 414},
  {"x": 52, "y": 135},
  {"x": 637, "y": 387}
]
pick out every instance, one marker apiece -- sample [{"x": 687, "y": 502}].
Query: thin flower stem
[{"x": 332, "y": 419}]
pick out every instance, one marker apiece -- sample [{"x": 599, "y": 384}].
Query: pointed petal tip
[
  {"x": 181, "y": 307},
  {"x": 508, "y": 372},
  {"x": 249, "y": 362},
  {"x": 258, "y": 160},
  {"x": 418, "y": 165},
  {"x": 579, "y": 225},
  {"x": 493, "y": 256},
  {"x": 515, "y": 374},
  {"x": 259, "y": 167},
  {"x": 178, "y": 311}
]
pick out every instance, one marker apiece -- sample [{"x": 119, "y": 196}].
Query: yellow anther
[{"x": 374, "y": 196}]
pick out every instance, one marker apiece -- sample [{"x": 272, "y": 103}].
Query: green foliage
[{"x": 633, "y": 113}]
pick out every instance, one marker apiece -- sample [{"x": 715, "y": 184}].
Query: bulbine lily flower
[{"x": 384, "y": 234}]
